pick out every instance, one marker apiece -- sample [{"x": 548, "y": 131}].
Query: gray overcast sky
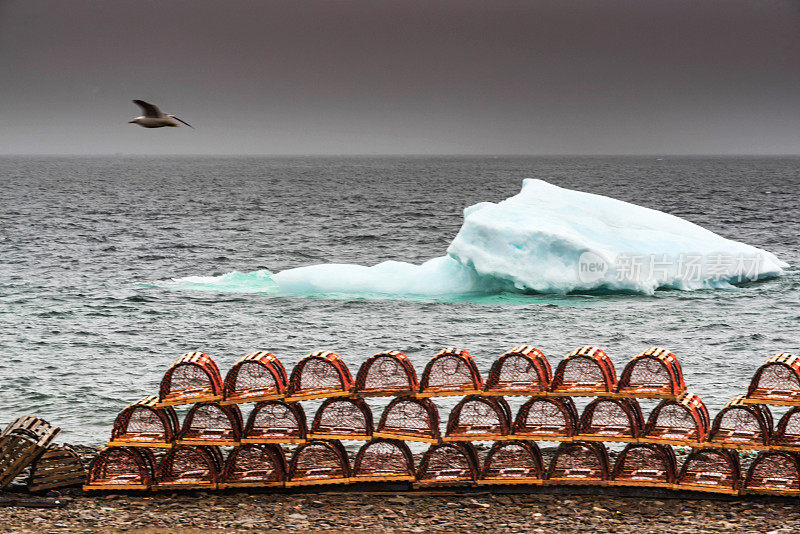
[{"x": 403, "y": 76}]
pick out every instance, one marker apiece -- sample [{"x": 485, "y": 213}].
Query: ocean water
[{"x": 90, "y": 316}]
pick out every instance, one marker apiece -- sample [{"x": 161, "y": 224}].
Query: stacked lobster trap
[{"x": 277, "y": 444}]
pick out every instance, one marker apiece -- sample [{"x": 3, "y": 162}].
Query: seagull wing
[
  {"x": 184, "y": 122},
  {"x": 150, "y": 110}
]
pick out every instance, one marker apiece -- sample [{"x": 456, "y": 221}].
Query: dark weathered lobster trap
[
  {"x": 451, "y": 372},
  {"x": 513, "y": 462},
  {"x": 384, "y": 460},
  {"x": 787, "y": 433},
  {"x": 654, "y": 373},
  {"x": 254, "y": 465},
  {"x": 678, "y": 422},
  {"x": 777, "y": 381},
  {"x": 121, "y": 468},
  {"x": 210, "y": 423},
  {"x": 189, "y": 467},
  {"x": 450, "y": 464},
  {"x": 645, "y": 464},
  {"x": 342, "y": 418},
  {"x": 586, "y": 371},
  {"x": 479, "y": 418},
  {"x": 410, "y": 419},
  {"x": 319, "y": 375},
  {"x": 714, "y": 470},
  {"x": 319, "y": 462},
  {"x": 21, "y": 442},
  {"x": 547, "y": 419},
  {"x": 523, "y": 370},
  {"x": 775, "y": 473},
  {"x": 611, "y": 420},
  {"x": 142, "y": 424},
  {"x": 742, "y": 426},
  {"x": 257, "y": 377},
  {"x": 276, "y": 421},
  {"x": 386, "y": 374},
  {"x": 194, "y": 377},
  {"x": 579, "y": 462},
  {"x": 57, "y": 467}
]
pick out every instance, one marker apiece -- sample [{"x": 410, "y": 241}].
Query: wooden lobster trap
[
  {"x": 579, "y": 462},
  {"x": 787, "y": 433},
  {"x": 513, "y": 462},
  {"x": 523, "y": 370},
  {"x": 546, "y": 419},
  {"x": 712, "y": 470},
  {"x": 342, "y": 418},
  {"x": 645, "y": 464},
  {"x": 121, "y": 468},
  {"x": 319, "y": 375},
  {"x": 452, "y": 372},
  {"x": 741, "y": 426},
  {"x": 774, "y": 473},
  {"x": 477, "y": 418},
  {"x": 410, "y": 419},
  {"x": 584, "y": 372},
  {"x": 194, "y": 377},
  {"x": 607, "y": 419},
  {"x": 210, "y": 423},
  {"x": 678, "y": 422},
  {"x": 257, "y": 377},
  {"x": 384, "y": 460},
  {"x": 21, "y": 443},
  {"x": 276, "y": 421},
  {"x": 189, "y": 467},
  {"x": 654, "y": 374},
  {"x": 386, "y": 374},
  {"x": 254, "y": 465},
  {"x": 777, "y": 381},
  {"x": 57, "y": 467},
  {"x": 319, "y": 462},
  {"x": 449, "y": 464},
  {"x": 142, "y": 424}
]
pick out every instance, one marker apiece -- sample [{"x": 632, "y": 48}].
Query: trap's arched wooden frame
[
  {"x": 710, "y": 470},
  {"x": 450, "y": 364},
  {"x": 741, "y": 426},
  {"x": 201, "y": 383},
  {"x": 610, "y": 419},
  {"x": 384, "y": 460},
  {"x": 654, "y": 374},
  {"x": 292, "y": 412},
  {"x": 254, "y": 465},
  {"x": 386, "y": 374},
  {"x": 342, "y": 418},
  {"x": 121, "y": 468},
  {"x": 579, "y": 463},
  {"x": 773, "y": 473},
  {"x": 162, "y": 422},
  {"x": 336, "y": 382},
  {"x": 777, "y": 381},
  {"x": 645, "y": 464},
  {"x": 523, "y": 370},
  {"x": 319, "y": 462},
  {"x": 197, "y": 427},
  {"x": 189, "y": 467},
  {"x": 478, "y": 418},
  {"x": 584, "y": 372},
  {"x": 513, "y": 462},
  {"x": 449, "y": 464},
  {"x": 689, "y": 411},
  {"x": 258, "y": 376},
  {"x": 402, "y": 417},
  {"x": 555, "y": 419}
]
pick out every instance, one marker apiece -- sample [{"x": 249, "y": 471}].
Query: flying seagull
[{"x": 154, "y": 117}]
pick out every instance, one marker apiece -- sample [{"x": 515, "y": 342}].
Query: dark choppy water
[{"x": 83, "y": 329}]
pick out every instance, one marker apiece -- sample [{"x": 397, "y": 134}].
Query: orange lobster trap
[
  {"x": 194, "y": 377},
  {"x": 276, "y": 421},
  {"x": 713, "y": 470},
  {"x": 774, "y": 473},
  {"x": 121, "y": 468},
  {"x": 787, "y": 433},
  {"x": 678, "y": 422},
  {"x": 546, "y": 419},
  {"x": 654, "y": 374},
  {"x": 254, "y": 465},
  {"x": 142, "y": 424},
  {"x": 607, "y": 419},
  {"x": 579, "y": 462},
  {"x": 523, "y": 370},
  {"x": 477, "y": 418},
  {"x": 319, "y": 375},
  {"x": 386, "y": 374},
  {"x": 452, "y": 372},
  {"x": 257, "y": 377},
  {"x": 342, "y": 418},
  {"x": 777, "y": 381},
  {"x": 741, "y": 426},
  {"x": 210, "y": 423},
  {"x": 584, "y": 372},
  {"x": 449, "y": 464},
  {"x": 189, "y": 467},
  {"x": 383, "y": 460},
  {"x": 645, "y": 464},
  {"x": 410, "y": 419},
  {"x": 513, "y": 462},
  {"x": 319, "y": 462}
]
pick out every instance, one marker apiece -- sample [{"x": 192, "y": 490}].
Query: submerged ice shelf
[{"x": 545, "y": 239}]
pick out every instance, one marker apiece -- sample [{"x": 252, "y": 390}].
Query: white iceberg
[{"x": 545, "y": 239}]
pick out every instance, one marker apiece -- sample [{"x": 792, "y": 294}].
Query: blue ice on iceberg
[{"x": 545, "y": 239}]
